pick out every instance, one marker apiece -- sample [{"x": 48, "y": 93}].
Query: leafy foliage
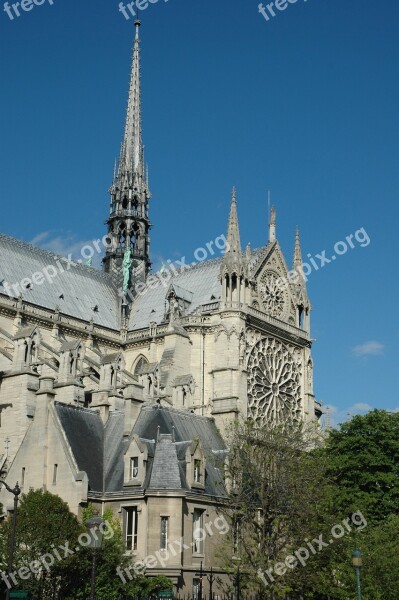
[
  {"x": 364, "y": 464},
  {"x": 278, "y": 497},
  {"x": 44, "y": 522},
  {"x": 44, "y": 525},
  {"x": 287, "y": 489}
]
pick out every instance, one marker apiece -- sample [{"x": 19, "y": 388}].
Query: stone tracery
[{"x": 274, "y": 383}]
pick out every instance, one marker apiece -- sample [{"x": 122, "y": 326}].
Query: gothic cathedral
[{"x": 116, "y": 386}]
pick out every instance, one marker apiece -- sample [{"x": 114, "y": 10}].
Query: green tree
[
  {"x": 363, "y": 457},
  {"x": 44, "y": 522},
  {"x": 52, "y": 547},
  {"x": 380, "y": 571},
  {"x": 278, "y": 497}
]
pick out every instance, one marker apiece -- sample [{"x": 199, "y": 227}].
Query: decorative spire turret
[
  {"x": 301, "y": 294},
  {"x": 233, "y": 231},
  {"x": 234, "y": 269},
  {"x": 127, "y": 255}
]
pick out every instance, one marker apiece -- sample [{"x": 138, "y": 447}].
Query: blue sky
[{"x": 305, "y": 104}]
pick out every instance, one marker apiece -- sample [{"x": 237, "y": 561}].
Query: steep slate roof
[
  {"x": 165, "y": 472},
  {"x": 186, "y": 427},
  {"x": 114, "y": 449},
  {"x": 85, "y": 433},
  {"x": 79, "y": 290},
  {"x": 82, "y": 287},
  {"x": 198, "y": 286},
  {"x": 99, "y": 450},
  {"x": 199, "y": 283}
]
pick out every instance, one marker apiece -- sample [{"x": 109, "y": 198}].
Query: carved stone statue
[{"x": 126, "y": 268}]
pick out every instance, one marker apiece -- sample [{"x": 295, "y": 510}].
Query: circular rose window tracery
[
  {"x": 274, "y": 383},
  {"x": 273, "y": 294}
]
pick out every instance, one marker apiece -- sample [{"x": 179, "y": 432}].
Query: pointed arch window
[{"x": 140, "y": 364}]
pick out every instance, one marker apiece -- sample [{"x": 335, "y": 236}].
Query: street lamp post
[
  {"x": 95, "y": 527},
  {"x": 357, "y": 563},
  {"x": 16, "y": 491},
  {"x": 237, "y": 582}
]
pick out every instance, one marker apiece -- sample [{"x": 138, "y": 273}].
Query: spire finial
[
  {"x": 297, "y": 250},
  {"x": 272, "y": 223}
]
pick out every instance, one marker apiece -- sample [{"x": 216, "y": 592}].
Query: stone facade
[{"x": 121, "y": 398}]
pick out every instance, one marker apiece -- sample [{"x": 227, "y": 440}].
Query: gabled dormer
[
  {"x": 71, "y": 361},
  {"x": 26, "y": 355},
  {"x": 183, "y": 391},
  {"x": 149, "y": 377},
  {"x": 195, "y": 465},
  {"x": 135, "y": 463},
  {"x": 112, "y": 366},
  {"x": 178, "y": 301}
]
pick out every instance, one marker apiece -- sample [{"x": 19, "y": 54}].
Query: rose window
[{"x": 274, "y": 383}]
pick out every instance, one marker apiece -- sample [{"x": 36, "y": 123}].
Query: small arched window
[{"x": 142, "y": 362}]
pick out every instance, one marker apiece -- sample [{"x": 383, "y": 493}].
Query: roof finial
[
  {"x": 272, "y": 222},
  {"x": 137, "y": 25},
  {"x": 297, "y": 251}
]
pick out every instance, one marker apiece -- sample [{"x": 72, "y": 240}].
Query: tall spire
[
  {"x": 127, "y": 254},
  {"x": 233, "y": 232},
  {"x": 131, "y": 162}
]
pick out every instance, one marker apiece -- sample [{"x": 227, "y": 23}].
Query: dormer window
[
  {"x": 134, "y": 467},
  {"x": 197, "y": 471}
]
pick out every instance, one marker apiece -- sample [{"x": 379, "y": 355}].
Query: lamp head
[
  {"x": 95, "y": 527},
  {"x": 357, "y": 558}
]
